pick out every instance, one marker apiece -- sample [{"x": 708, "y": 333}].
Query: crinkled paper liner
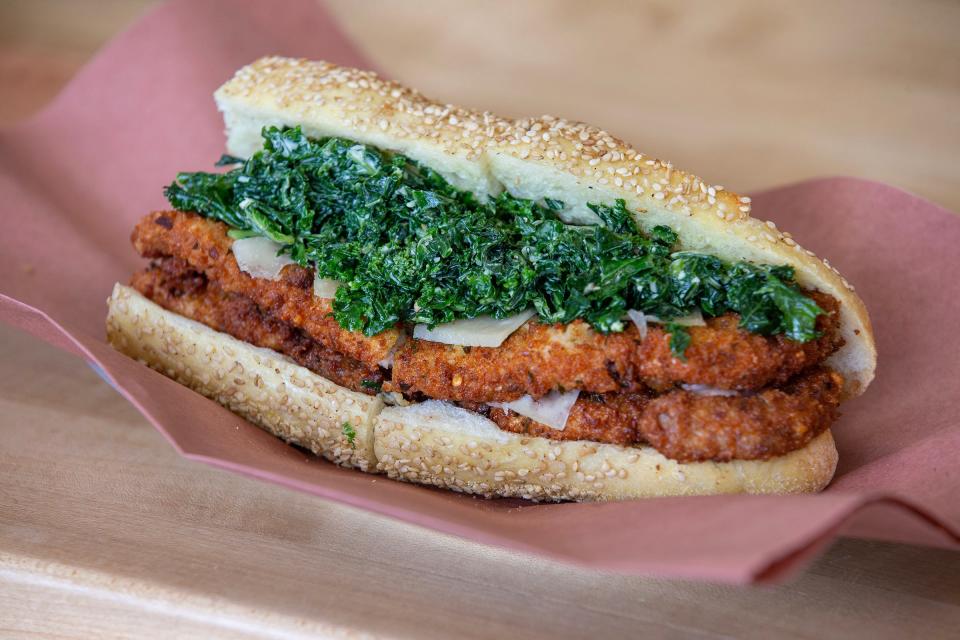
[{"x": 74, "y": 180}]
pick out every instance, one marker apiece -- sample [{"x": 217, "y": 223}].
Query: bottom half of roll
[{"x": 431, "y": 442}]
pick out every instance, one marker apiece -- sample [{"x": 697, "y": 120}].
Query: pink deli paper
[{"x": 74, "y": 180}]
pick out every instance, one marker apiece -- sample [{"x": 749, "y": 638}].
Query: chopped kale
[
  {"x": 410, "y": 247},
  {"x": 679, "y": 339},
  {"x": 350, "y": 433},
  {"x": 375, "y": 385}
]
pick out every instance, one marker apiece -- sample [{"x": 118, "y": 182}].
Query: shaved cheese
[
  {"x": 482, "y": 331},
  {"x": 706, "y": 390},
  {"x": 694, "y": 319},
  {"x": 552, "y": 410},
  {"x": 258, "y": 257},
  {"x": 325, "y": 287},
  {"x": 640, "y": 320}
]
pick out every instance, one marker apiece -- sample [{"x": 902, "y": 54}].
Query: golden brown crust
[
  {"x": 724, "y": 356},
  {"x": 535, "y": 359},
  {"x": 539, "y": 358},
  {"x": 174, "y": 286},
  {"x": 689, "y": 427},
  {"x": 204, "y": 244},
  {"x": 535, "y": 158}
]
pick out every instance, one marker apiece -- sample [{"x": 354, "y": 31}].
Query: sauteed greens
[{"x": 410, "y": 247}]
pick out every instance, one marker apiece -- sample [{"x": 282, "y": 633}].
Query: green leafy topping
[
  {"x": 679, "y": 339},
  {"x": 240, "y": 234},
  {"x": 375, "y": 385},
  {"x": 350, "y": 433},
  {"x": 410, "y": 247}
]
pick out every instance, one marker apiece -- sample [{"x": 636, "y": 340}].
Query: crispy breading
[
  {"x": 539, "y": 358},
  {"x": 689, "y": 427},
  {"x": 725, "y": 356},
  {"x": 204, "y": 244},
  {"x": 536, "y": 359},
  {"x": 175, "y": 286},
  {"x": 608, "y": 417}
]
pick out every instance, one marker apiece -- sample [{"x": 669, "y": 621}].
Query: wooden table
[{"x": 105, "y": 531}]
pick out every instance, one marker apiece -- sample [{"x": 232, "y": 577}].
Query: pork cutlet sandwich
[{"x": 502, "y": 307}]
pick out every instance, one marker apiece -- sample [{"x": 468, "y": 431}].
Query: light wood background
[{"x": 106, "y": 532}]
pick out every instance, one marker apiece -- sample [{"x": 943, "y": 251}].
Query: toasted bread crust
[
  {"x": 538, "y": 358},
  {"x": 206, "y": 247}
]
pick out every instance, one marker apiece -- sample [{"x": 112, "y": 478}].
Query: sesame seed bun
[
  {"x": 263, "y": 386},
  {"x": 543, "y": 157},
  {"x": 432, "y": 442},
  {"x": 442, "y": 445}
]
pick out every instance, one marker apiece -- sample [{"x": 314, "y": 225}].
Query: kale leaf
[
  {"x": 679, "y": 339},
  {"x": 350, "y": 433},
  {"x": 410, "y": 247}
]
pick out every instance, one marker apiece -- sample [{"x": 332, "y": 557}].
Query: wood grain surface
[{"x": 106, "y": 532}]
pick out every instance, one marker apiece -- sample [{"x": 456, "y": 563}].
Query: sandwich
[{"x": 519, "y": 308}]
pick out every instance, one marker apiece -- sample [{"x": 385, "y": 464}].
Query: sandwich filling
[{"x": 640, "y": 342}]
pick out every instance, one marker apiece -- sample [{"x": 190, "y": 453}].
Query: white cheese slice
[
  {"x": 258, "y": 257},
  {"x": 640, "y": 320},
  {"x": 482, "y": 331},
  {"x": 325, "y": 287},
  {"x": 706, "y": 390},
  {"x": 552, "y": 410}
]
